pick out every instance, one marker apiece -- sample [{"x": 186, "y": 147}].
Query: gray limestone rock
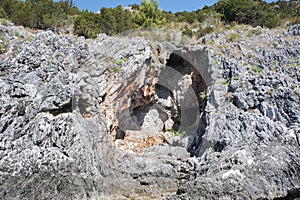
[
  {"x": 295, "y": 30},
  {"x": 75, "y": 117},
  {"x": 152, "y": 122}
]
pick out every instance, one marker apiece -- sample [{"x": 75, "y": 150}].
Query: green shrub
[
  {"x": 232, "y": 37},
  {"x": 116, "y": 69},
  {"x": 255, "y": 13},
  {"x": 178, "y": 133},
  {"x": 17, "y": 34},
  {"x": 2, "y": 13},
  {"x": 187, "y": 32},
  {"x": 256, "y": 31},
  {"x": 120, "y": 61},
  {"x": 256, "y": 69},
  {"x": 226, "y": 82},
  {"x": 207, "y": 30},
  {"x": 113, "y": 69},
  {"x": 203, "y": 95}
]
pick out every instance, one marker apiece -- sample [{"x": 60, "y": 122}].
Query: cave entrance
[
  {"x": 173, "y": 104},
  {"x": 191, "y": 73},
  {"x": 188, "y": 89}
]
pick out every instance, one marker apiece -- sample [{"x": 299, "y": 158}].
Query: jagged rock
[
  {"x": 178, "y": 141},
  {"x": 240, "y": 101},
  {"x": 153, "y": 122},
  {"x": 295, "y": 30},
  {"x": 75, "y": 117},
  {"x": 267, "y": 110}
]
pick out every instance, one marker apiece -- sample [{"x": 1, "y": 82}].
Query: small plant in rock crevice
[
  {"x": 226, "y": 82},
  {"x": 178, "y": 133},
  {"x": 256, "y": 31},
  {"x": 121, "y": 61},
  {"x": 17, "y": 34},
  {"x": 256, "y": 69},
  {"x": 233, "y": 37},
  {"x": 113, "y": 69},
  {"x": 203, "y": 95}
]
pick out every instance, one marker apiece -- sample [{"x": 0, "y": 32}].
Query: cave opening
[
  {"x": 192, "y": 78},
  {"x": 161, "y": 110}
]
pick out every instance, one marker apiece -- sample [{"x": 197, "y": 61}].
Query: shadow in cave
[
  {"x": 185, "y": 68},
  {"x": 198, "y": 85},
  {"x": 187, "y": 84}
]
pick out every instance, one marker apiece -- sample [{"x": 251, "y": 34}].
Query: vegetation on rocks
[
  {"x": 110, "y": 119},
  {"x": 38, "y": 14},
  {"x": 62, "y": 111},
  {"x": 256, "y": 13},
  {"x": 47, "y": 14}
]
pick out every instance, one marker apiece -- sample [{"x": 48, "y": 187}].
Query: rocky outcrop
[
  {"x": 295, "y": 30},
  {"x": 120, "y": 117},
  {"x": 256, "y": 127}
]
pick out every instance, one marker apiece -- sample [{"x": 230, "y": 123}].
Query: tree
[
  {"x": 108, "y": 22},
  {"x": 8, "y": 6},
  {"x": 23, "y": 14},
  {"x": 2, "y": 13},
  {"x": 154, "y": 3},
  {"x": 123, "y": 20},
  {"x": 185, "y": 16},
  {"x": 230, "y": 8},
  {"x": 248, "y": 12},
  {"x": 54, "y": 19},
  {"x": 87, "y": 24},
  {"x": 149, "y": 15},
  {"x": 115, "y": 20},
  {"x": 134, "y": 6},
  {"x": 67, "y": 7}
]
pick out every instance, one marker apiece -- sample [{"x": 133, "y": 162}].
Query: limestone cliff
[{"x": 128, "y": 118}]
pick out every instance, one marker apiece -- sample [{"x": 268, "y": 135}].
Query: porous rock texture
[{"x": 90, "y": 119}]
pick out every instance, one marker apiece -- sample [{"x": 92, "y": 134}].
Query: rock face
[
  {"x": 119, "y": 118},
  {"x": 295, "y": 30}
]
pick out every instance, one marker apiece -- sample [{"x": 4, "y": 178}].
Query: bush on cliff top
[{"x": 45, "y": 14}]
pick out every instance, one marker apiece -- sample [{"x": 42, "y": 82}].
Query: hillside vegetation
[{"x": 47, "y": 14}]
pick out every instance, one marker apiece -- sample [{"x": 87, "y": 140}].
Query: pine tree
[{"x": 149, "y": 15}]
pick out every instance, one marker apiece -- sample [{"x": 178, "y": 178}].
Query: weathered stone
[
  {"x": 152, "y": 122},
  {"x": 267, "y": 110},
  {"x": 240, "y": 101},
  {"x": 295, "y": 30},
  {"x": 90, "y": 119}
]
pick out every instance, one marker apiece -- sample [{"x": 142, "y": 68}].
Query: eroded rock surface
[{"x": 118, "y": 118}]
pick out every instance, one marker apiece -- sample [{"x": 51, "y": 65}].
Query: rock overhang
[{"x": 177, "y": 110}]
